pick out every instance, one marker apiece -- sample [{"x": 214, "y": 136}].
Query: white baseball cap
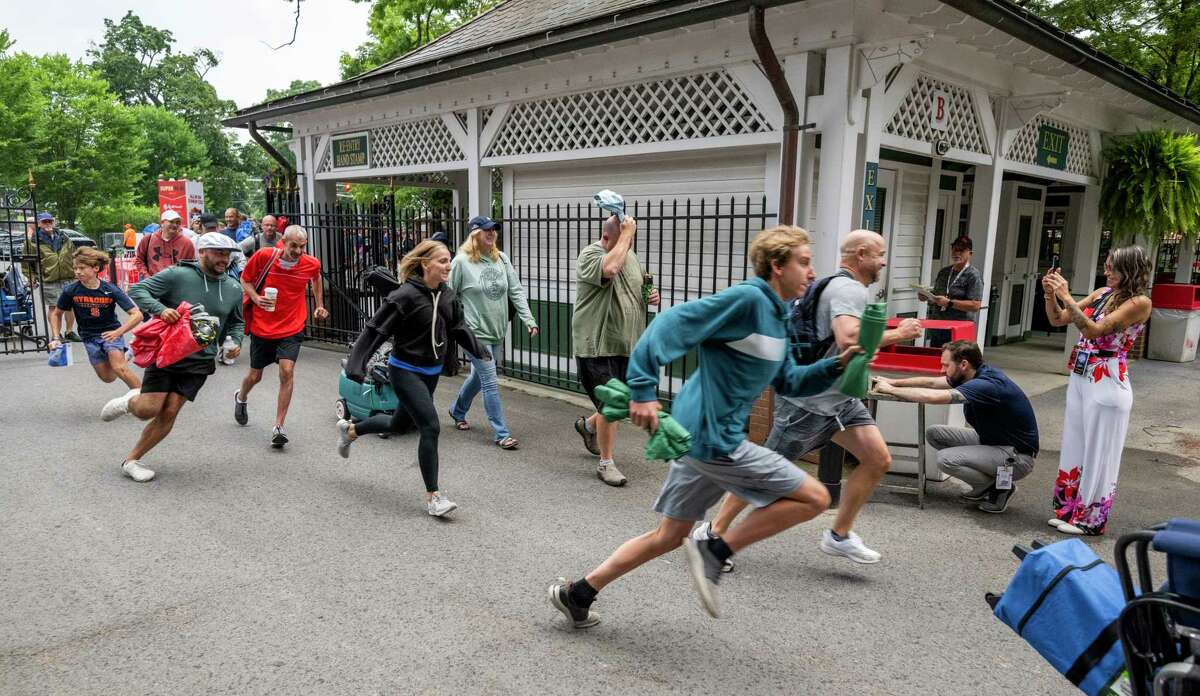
[
  {"x": 216, "y": 240},
  {"x": 170, "y": 215}
]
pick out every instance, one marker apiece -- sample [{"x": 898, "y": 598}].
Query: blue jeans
[{"x": 483, "y": 377}]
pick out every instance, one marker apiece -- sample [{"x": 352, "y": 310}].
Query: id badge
[
  {"x": 1004, "y": 477},
  {"x": 1081, "y": 361}
]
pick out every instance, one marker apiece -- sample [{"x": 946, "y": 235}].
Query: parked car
[{"x": 78, "y": 238}]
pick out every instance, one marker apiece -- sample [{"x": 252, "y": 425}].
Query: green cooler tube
[{"x": 857, "y": 377}]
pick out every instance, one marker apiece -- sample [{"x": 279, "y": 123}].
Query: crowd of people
[{"x": 745, "y": 339}]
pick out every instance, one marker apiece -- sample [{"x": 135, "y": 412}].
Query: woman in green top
[{"x": 486, "y": 282}]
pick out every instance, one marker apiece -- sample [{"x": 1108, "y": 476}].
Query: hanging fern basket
[{"x": 1152, "y": 186}]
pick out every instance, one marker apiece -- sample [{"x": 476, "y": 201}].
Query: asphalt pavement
[{"x": 245, "y": 570}]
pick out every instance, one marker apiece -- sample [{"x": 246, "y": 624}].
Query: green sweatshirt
[
  {"x": 485, "y": 289},
  {"x": 220, "y": 295}
]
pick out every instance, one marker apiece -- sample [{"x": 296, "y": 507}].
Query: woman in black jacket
[{"x": 419, "y": 317}]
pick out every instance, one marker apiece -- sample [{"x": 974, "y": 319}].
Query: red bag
[{"x": 161, "y": 344}]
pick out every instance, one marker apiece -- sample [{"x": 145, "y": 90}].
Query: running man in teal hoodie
[
  {"x": 741, "y": 336},
  {"x": 165, "y": 390}
]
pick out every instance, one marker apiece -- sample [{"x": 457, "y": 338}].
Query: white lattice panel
[
  {"x": 703, "y": 105},
  {"x": 426, "y": 141},
  {"x": 1079, "y": 149},
  {"x": 913, "y": 118}
]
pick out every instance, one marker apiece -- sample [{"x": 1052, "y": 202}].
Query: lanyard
[{"x": 950, "y": 280}]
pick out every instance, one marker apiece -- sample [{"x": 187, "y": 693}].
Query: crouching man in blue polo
[{"x": 741, "y": 337}]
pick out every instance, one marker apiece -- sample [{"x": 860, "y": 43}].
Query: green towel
[
  {"x": 670, "y": 441},
  {"x": 856, "y": 379}
]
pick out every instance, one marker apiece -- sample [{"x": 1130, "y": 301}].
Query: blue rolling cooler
[{"x": 1066, "y": 603}]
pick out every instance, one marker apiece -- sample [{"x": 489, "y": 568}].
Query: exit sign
[{"x": 1052, "y": 147}]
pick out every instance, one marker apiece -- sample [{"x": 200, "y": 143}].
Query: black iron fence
[
  {"x": 692, "y": 248},
  {"x": 23, "y": 320}
]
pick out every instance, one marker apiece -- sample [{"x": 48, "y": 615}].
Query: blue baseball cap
[
  {"x": 42, "y": 217},
  {"x": 482, "y": 222}
]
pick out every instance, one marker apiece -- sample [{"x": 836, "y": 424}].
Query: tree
[
  {"x": 1160, "y": 38},
  {"x": 398, "y": 27},
  {"x": 88, "y": 150},
  {"x": 6, "y": 41},
  {"x": 22, "y": 106},
  {"x": 141, "y": 65},
  {"x": 171, "y": 151}
]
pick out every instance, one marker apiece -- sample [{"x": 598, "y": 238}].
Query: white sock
[
  {"x": 587, "y": 425},
  {"x": 606, "y": 462},
  {"x": 238, "y": 396}
]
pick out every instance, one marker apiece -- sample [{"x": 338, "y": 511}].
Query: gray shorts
[
  {"x": 755, "y": 474},
  {"x": 796, "y": 432},
  {"x": 51, "y": 292}
]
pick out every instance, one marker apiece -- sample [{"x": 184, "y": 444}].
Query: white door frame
[
  {"x": 1020, "y": 271},
  {"x": 889, "y": 180}
]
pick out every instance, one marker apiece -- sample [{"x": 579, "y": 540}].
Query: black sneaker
[
  {"x": 705, "y": 571},
  {"x": 73, "y": 337},
  {"x": 278, "y": 437},
  {"x": 998, "y": 502},
  {"x": 560, "y": 598},
  {"x": 240, "y": 414},
  {"x": 974, "y": 496},
  {"x": 589, "y": 439}
]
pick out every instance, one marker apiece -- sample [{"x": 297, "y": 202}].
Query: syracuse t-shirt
[
  {"x": 291, "y": 304},
  {"x": 95, "y": 309}
]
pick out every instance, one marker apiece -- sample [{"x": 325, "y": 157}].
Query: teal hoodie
[
  {"x": 485, "y": 289},
  {"x": 185, "y": 281},
  {"x": 743, "y": 346}
]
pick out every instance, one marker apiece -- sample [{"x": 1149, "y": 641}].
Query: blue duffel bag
[{"x": 1064, "y": 601}]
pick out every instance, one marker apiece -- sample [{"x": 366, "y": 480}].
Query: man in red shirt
[
  {"x": 164, "y": 248},
  {"x": 276, "y": 325}
]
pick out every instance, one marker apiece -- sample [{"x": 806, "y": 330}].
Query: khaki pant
[{"x": 960, "y": 455}]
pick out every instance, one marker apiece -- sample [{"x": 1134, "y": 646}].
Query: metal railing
[{"x": 693, "y": 248}]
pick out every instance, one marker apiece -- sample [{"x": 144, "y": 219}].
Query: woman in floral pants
[{"x": 1099, "y": 394}]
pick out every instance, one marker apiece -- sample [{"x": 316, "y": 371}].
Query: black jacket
[{"x": 419, "y": 334}]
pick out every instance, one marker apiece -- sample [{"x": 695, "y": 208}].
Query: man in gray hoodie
[{"x": 165, "y": 390}]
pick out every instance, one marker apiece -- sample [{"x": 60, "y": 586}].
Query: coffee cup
[{"x": 270, "y": 294}]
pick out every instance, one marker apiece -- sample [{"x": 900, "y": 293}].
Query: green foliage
[
  {"x": 1160, "y": 38},
  {"x": 89, "y": 148},
  {"x": 22, "y": 107},
  {"x": 1152, "y": 186},
  {"x": 6, "y": 41},
  {"x": 97, "y": 220},
  {"x": 398, "y": 27},
  {"x": 141, "y": 65},
  {"x": 172, "y": 151}
]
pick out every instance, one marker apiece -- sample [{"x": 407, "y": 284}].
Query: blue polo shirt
[{"x": 999, "y": 411}]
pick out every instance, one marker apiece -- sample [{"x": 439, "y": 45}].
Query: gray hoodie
[{"x": 185, "y": 281}]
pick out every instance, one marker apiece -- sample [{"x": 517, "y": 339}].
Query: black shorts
[
  {"x": 264, "y": 351},
  {"x": 162, "y": 380},
  {"x": 596, "y": 371}
]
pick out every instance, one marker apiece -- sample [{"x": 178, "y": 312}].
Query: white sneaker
[
  {"x": 134, "y": 470},
  {"x": 1070, "y": 529},
  {"x": 439, "y": 506},
  {"x": 610, "y": 474},
  {"x": 1055, "y": 522},
  {"x": 851, "y": 547},
  {"x": 343, "y": 443},
  {"x": 118, "y": 407},
  {"x": 703, "y": 532}
]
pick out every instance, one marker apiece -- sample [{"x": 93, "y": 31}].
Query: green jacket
[
  {"x": 485, "y": 289},
  {"x": 57, "y": 266},
  {"x": 221, "y": 297}
]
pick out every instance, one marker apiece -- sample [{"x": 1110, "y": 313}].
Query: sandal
[
  {"x": 460, "y": 424},
  {"x": 508, "y": 443}
]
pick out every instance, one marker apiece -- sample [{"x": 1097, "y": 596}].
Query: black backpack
[{"x": 807, "y": 346}]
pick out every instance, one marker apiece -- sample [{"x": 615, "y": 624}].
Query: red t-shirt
[{"x": 291, "y": 305}]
